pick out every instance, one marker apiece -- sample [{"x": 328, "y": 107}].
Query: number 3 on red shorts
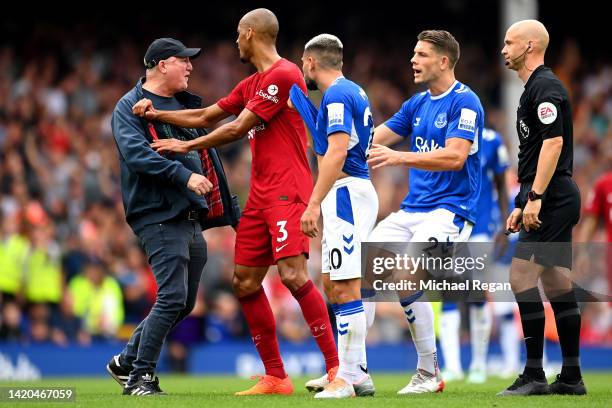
[{"x": 282, "y": 231}]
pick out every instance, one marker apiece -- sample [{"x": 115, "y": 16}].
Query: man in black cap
[{"x": 167, "y": 201}]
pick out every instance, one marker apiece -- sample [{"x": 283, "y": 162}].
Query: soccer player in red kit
[
  {"x": 281, "y": 183},
  {"x": 599, "y": 207}
]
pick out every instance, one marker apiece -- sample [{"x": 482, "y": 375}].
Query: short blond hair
[{"x": 328, "y": 48}]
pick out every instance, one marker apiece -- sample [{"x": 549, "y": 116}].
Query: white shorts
[
  {"x": 403, "y": 226},
  {"x": 349, "y": 213}
]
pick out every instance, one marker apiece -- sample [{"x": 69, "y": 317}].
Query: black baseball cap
[{"x": 163, "y": 48}]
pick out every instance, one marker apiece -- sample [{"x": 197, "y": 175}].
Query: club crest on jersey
[
  {"x": 547, "y": 113},
  {"x": 440, "y": 120},
  {"x": 524, "y": 129}
]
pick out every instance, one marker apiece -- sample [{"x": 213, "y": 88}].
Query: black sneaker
[
  {"x": 120, "y": 374},
  {"x": 146, "y": 385},
  {"x": 567, "y": 388},
  {"x": 526, "y": 386}
]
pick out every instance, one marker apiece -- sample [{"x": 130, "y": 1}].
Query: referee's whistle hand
[
  {"x": 513, "y": 223},
  {"x": 530, "y": 215}
]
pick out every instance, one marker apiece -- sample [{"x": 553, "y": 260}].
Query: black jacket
[{"x": 154, "y": 187}]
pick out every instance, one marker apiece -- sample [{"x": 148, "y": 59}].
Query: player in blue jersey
[
  {"x": 344, "y": 195},
  {"x": 489, "y": 226},
  {"x": 492, "y": 205},
  {"x": 445, "y": 126}
]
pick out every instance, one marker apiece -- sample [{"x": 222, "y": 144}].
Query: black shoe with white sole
[
  {"x": 119, "y": 373},
  {"x": 146, "y": 385}
]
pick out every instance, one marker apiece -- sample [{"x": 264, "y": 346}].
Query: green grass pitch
[{"x": 217, "y": 391}]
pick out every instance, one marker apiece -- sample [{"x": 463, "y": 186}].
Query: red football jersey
[
  {"x": 599, "y": 202},
  {"x": 280, "y": 173}
]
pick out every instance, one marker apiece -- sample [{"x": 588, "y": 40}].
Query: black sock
[
  {"x": 532, "y": 318},
  {"x": 567, "y": 316}
]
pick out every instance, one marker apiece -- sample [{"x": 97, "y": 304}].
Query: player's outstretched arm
[
  {"x": 225, "y": 134},
  {"x": 187, "y": 118},
  {"x": 330, "y": 168},
  {"x": 449, "y": 158}
]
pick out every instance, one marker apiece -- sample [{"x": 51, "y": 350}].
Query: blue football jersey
[
  {"x": 345, "y": 108},
  {"x": 430, "y": 121},
  {"x": 494, "y": 161}
]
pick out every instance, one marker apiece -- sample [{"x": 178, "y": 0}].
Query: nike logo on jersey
[{"x": 280, "y": 247}]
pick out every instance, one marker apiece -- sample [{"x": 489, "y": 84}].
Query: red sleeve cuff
[{"x": 223, "y": 104}]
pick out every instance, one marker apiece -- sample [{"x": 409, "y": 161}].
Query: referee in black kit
[{"x": 546, "y": 209}]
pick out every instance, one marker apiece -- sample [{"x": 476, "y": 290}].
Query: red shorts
[{"x": 265, "y": 236}]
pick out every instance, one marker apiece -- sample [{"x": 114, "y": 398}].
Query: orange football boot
[{"x": 268, "y": 384}]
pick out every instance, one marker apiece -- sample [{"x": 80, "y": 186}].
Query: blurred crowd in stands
[{"x": 70, "y": 267}]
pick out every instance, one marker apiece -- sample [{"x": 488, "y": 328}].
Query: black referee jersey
[{"x": 545, "y": 112}]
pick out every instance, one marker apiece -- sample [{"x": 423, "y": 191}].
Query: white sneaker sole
[{"x": 437, "y": 390}]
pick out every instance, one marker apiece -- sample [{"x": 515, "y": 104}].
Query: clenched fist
[{"x": 199, "y": 184}]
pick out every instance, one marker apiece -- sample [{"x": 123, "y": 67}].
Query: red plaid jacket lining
[{"x": 213, "y": 197}]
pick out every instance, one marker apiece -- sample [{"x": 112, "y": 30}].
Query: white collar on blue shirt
[{"x": 445, "y": 93}]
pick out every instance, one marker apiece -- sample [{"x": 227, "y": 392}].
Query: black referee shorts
[{"x": 551, "y": 244}]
